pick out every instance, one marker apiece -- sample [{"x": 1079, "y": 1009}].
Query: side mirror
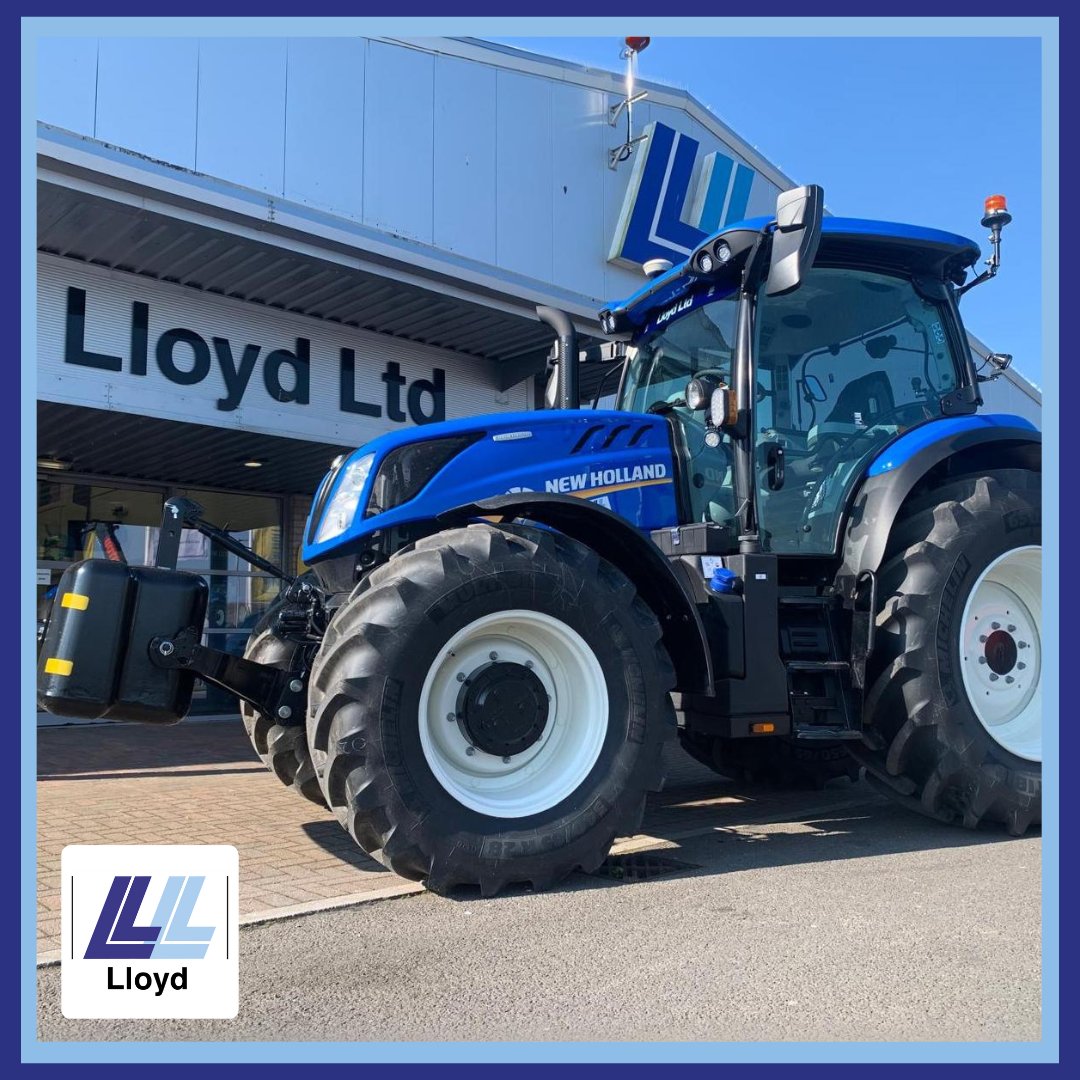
[
  {"x": 814, "y": 390},
  {"x": 796, "y": 237}
]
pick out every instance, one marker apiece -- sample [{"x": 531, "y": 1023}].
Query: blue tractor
[{"x": 795, "y": 544}]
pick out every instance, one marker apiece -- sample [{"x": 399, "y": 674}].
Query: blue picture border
[{"x": 784, "y": 19}]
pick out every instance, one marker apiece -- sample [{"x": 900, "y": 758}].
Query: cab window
[{"x": 844, "y": 364}]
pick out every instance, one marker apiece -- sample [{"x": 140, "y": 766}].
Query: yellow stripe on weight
[
  {"x": 75, "y": 600},
  {"x": 55, "y": 666}
]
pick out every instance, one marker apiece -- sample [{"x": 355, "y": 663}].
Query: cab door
[{"x": 843, "y": 365}]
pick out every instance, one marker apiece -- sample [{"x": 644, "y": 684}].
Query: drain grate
[{"x": 640, "y": 866}]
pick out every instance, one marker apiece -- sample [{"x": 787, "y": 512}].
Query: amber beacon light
[{"x": 995, "y": 212}]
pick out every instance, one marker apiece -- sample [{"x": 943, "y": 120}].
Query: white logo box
[{"x": 150, "y": 931}]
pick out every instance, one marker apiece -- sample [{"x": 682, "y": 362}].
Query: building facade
[{"x": 255, "y": 254}]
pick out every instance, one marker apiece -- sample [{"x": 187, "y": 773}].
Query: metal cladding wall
[
  {"x": 490, "y": 166},
  {"x": 158, "y": 349},
  {"x": 503, "y": 162},
  {"x": 1010, "y": 393}
]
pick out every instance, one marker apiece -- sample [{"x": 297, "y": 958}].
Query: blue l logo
[
  {"x": 661, "y": 218},
  {"x": 168, "y": 937}
]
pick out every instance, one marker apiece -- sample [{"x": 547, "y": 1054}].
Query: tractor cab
[{"x": 866, "y": 345}]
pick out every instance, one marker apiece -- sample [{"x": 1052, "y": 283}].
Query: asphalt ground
[{"x": 827, "y": 915}]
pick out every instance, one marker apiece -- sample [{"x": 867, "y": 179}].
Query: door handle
[{"x": 774, "y": 466}]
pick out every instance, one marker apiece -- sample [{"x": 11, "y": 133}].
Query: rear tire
[
  {"x": 954, "y": 713},
  {"x": 779, "y": 760},
  {"x": 411, "y": 676},
  {"x": 282, "y": 748}
]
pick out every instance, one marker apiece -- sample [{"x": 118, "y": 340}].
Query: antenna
[{"x": 631, "y": 47}]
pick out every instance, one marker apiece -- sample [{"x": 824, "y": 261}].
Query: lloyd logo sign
[
  {"x": 149, "y": 931},
  {"x": 187, "y": 358},
  {"x": 661, "y": 217}
]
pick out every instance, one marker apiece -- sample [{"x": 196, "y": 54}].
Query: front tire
[
  {"x": 954, "y": 713},
  {"x": 282, "y": 748},
  {"x": 489, "y": 707}
]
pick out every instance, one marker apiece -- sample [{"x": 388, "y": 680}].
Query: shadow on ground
[
  {"x": 707, "y": 824},
  {"x": 105, "y": 751},
  {"x": 722, "y": 827},
  {"x": 332, "y": 838}
]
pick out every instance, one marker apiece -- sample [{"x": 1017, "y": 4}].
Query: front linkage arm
[
  {"x": 277, "y": 692},
  {"x": 272, "y": 691},
  {"x": 180, "y": 513}
]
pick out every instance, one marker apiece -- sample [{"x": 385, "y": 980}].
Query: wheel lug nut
[
  {"x": 1020, "y": 666},
  {"x": 982, "y": 638},
  {"x": 1009, "y": 679},
  {"x": 470, "y": 750},
  {"x": 993, "y": 677},
  {"x": 506, "y": 759},
  {"x": 461, "y": 676},
  {"x": 451, "y": 717},
  {"x": 529, "y": 664},
  {"x": 995, "y": 626},
  {"x": 1011, "y": 628},
  {"x": 493, "y": 655},
  {"x": 1022, "y": 644},
  {"x": 982, "y": 659}
]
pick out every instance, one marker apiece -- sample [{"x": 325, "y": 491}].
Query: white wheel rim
[
  {"x": 554, "y": 766},
  {"x": 1001, "y": 651}
]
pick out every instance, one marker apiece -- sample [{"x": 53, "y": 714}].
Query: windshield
[
  {"x": 701, "y": 342},
  {"x": 660, "y": 366}
]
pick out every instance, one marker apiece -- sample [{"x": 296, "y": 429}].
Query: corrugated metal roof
[
  {"x": 97, "y": 230},
  {"x": 106, "y": 443}
]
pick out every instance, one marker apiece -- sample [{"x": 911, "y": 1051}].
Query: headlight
[
  {"x": 341, "y": 510},
  {"x": 405, "y": 471}
]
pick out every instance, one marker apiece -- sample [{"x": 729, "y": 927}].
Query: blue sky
[{"x": 908, "y": 129}]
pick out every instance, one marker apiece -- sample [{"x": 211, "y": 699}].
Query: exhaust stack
[{"x": 568, "y": 396}]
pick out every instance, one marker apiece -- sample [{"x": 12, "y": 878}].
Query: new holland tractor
[{"x": 795, "y": 543}]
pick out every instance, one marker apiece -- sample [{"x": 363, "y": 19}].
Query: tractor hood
[{"x": 621, "y": 460}]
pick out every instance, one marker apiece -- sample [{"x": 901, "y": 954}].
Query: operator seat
[{"x": 859, "y": 404}]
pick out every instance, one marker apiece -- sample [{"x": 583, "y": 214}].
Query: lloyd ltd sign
[
  {"x": 665, "y": 213},
  {"x": 111, "y": 340},
  {"x": 185, "y": 357}
]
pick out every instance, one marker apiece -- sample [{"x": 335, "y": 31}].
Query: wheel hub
[
  {"x": 1001, "y": 652},
  {"x": 503, "y": 708},
  {"x": 513, "y": 713}
]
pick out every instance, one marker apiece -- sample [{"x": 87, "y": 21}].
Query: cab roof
[{"x": 888, "y": 245}]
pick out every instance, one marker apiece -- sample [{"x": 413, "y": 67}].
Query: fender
[
  {"x": 962, "y": 444},
  {"x": 612, "y": 538}
]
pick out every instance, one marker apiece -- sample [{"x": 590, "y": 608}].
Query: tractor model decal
[{"x": 586, "y": 485}]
